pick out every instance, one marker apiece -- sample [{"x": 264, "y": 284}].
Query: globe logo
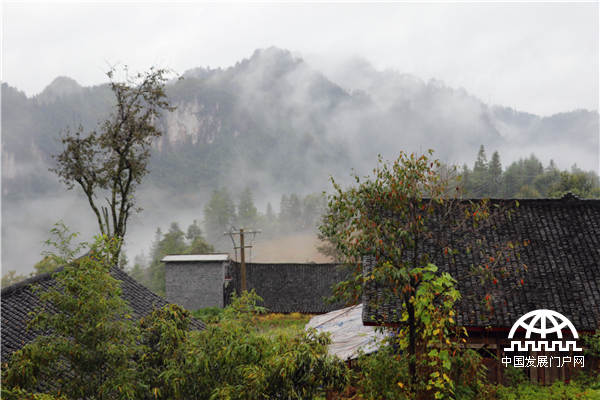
[{"x": 543, "y": 322}]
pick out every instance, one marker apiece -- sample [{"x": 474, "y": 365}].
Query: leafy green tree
[
  {"x": 495, "y": 174},
  {"x": 445, "y": 367},
  {"x": 197, "y": 243},
  {"x": 532, "y": 167},
  {"x": 578, "y": 182},
  {"x": 481, "y": 163},
  {"x": 466, "y": 180},
  {"x": 247, "y": 214},
  {"x": 394, "y": 217},
  {"x": 480, "y": 177},
  {"x": 46, "y": 264},
  {"x": 89, "y": 353},
  {"x": 199, "y": 246},
  {"x": 544, "y": 182},
  {"x": 219, "y": 215},
  {"x": 512, "y": 181},
  {"x": 193, "y": 231},
  {"x": 528, "y": 192},
  {"x": 173, "y": 242},
  {"x": 95, "y": 351},
  {"x": 139, "y": 271},
  {"x": 109, "y": 163},
  {"x": 152, "y": 273},
  {"x": 231, "y": 360},
  {"x": 163, "y": 337}
]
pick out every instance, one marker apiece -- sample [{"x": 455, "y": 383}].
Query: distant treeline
[
  {"x": 296, "y": 214},
  {"x": 525, "y": 178},
  {"x": 221, "y": 214}
]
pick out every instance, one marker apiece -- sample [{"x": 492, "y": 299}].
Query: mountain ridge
[{"x": 271, "y": 122}]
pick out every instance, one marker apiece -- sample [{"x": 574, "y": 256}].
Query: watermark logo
[{"x": 538, "y": 325}]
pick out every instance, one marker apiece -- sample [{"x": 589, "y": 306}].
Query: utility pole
[
  {"x": 243, "y": 259},
  {"x": 242, "y": 248}
]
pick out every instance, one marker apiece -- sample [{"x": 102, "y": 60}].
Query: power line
[{"x": 232, "y": 232}]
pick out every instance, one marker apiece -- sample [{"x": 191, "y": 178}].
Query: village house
[
  {"x": 556, "y": 267},
  {"x": 22, "y": 298}
]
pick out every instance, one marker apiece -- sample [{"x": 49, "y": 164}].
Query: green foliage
[
  {"x": 297, "y": 214},
  {"x": 385, "y": 375},
  {"x": 514, "y": 376},
  {"x": 526, "y": 178},
  {"x": 89, "y": 353},
  {"x": 11, "y": 277},
  {"x": 152, "y": 273},
  {"x": 276, "y": 323},
  {"x": 193, "y": 231},
  {"x": 219, "y": 215},
  {"x": 163, "y": 337},
  {"x": 96, "y": 351},
  {"x": 109, "y": 163},
  {"x": 592, "y": 344},
  {"x": 209, "y": 315},
  {"x": 480, "y": 178},
  {"x": 247, "y": 214},
  {"x": 394, "y": 218},
  {"x": 46, "y": 264},
  {"x": 244, "y": 308},
  {"x": 20, "y": 394},
  {"x": 578, "y": 182},
  {"x": 469, "y": 375},
  {"x": 436, "y": 345},
  {"x": 232, "y": 360},
  {"x": 382, "y": 375},
  {"x": 557, "y": 391}
]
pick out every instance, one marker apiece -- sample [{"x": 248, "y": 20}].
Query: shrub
[
  {"x": 90, "y": 351},
  {"x": 209, "y": 315},
  {"x": 557, "y": 391},
  {"x": 232, "y": 360}
]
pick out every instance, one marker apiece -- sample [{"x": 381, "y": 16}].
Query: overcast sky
[{"x": 541, "y": 58}]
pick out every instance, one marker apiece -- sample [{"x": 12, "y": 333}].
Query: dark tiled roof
[
  {"x": 20, "y": 299},
  {"x": 563, "y": 274},
  {"x": 291, "y": 287}
]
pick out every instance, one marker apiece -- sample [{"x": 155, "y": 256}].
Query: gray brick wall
[
  {"x": 195, "y": 285},
  {"x": 298, "y": 287}
]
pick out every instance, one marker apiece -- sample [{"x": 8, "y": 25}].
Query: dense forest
[
  {"x": 525, "y": 178},
  {"x": 221, "y": 213}
]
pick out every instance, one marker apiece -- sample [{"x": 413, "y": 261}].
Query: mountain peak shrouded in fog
[
  {"x": 273, "y": 122},
  {"x": 60, "y": 87}
]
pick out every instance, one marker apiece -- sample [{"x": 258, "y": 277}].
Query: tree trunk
[{"x": 412, "y": 350}]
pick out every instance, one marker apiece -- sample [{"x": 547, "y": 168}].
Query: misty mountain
[{"x": 278, "y": 125}]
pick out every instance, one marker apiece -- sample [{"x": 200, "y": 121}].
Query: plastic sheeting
[{"x": 347, "y": 332}]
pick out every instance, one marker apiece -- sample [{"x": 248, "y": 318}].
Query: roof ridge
[
  {"x": 565, "y": 200},
  {"x": 16, "y": 287}
]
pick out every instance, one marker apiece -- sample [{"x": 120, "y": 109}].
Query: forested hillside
[{"x": 271, "y": 123}]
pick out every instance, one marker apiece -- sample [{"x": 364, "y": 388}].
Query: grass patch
[
  {"x": 276, "y": 323},
  {"x": 270, "y": 323}
]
